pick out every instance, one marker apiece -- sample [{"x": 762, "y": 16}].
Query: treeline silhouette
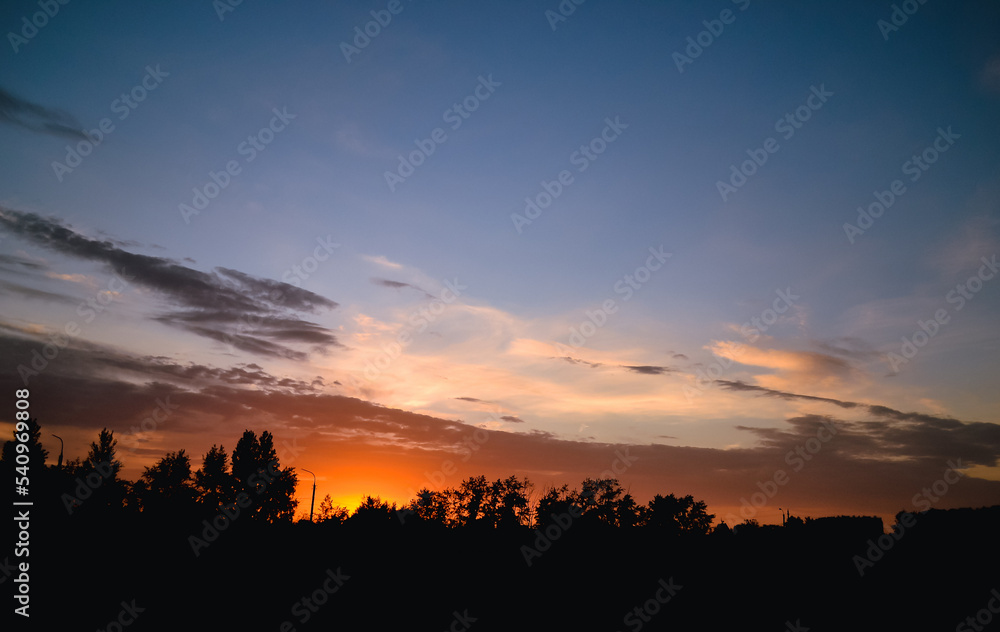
[
  {"x": 170, "y": 490},
  {"x": 218, "y": 547}
]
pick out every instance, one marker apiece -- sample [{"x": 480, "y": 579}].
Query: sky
[{"x": 733, "y": 249}]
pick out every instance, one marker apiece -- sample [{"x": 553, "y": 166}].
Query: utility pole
[
  {"x": 60, "y": 449},
  {"x": 313, "y": 503}
]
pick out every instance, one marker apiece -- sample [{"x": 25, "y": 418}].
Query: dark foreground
[{"x": 135, "y": 574}]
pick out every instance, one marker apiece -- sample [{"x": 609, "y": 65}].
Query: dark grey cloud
[
  {"x": 888, "y": 433},
  {"x": 737, "y": 385},
  {"x": 15, "y": 261},
  {"x": 79, "y": 358},
  {"x": 398, "y": 285},
  {"x": 468, "y": 399},
  {"x": 29, "y": 292},
  {"x": 648, "y": 370},
  {"x": 278, "y": 292},
  {"x": 641, "y": 369},
  {"x": 36, "y": 118},
  {"x": 226, "y": 305},
  {"x": 512, "y": 419},
  {"x": 592, "y": 365},
  {"x": 848, "y": 347}
]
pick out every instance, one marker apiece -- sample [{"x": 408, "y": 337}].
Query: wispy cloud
[
  {"x": 648, "y": 370},
  {"x": 7, "y": 287},
  {"x": 990, "y": 75},
  {"x": 571, "y": 360},
  {"x": 399, "y": 285},
  {"x": 36, "y": 118},
  {"x": 19, "y": 261},
  {"x": 208, "y": 304},
  {"x": 382, "y": 261},
  {"x": 736, "y": 385}
]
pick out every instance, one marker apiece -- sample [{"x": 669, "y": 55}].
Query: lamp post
[
  {"x": 60, "y": 449},
  {"x": 313, "y": 503}
]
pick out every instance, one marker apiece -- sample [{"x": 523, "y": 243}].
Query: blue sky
[{"x": 322, "y": 176}]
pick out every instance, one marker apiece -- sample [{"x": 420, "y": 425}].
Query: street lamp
[
  {"x": 313, "y": 503},
  {"x": 60, "y": 448}
]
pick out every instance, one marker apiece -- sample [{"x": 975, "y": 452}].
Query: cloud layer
[
  {"x": 874, "y": 464},
  {"x": 36, "y": 118},
  {"x": 250, "y": 313}
]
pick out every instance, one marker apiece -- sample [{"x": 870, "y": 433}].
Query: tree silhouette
[
  {"x": 330, "y": 512},
  {"x": 36, "y": 453},
  {"x": 431, "y": 506},
  {"x": 473, "y": 494},
  {"x": 504, "y": 502},
  {"x": 167, "y": 485},
  {"x": 104, "y": 451},
  {"x": 373, "y": 512},
  {"x": 104, "y": 491},
  {"x": 509, "y": 502},
  {"x": 554, "y": 502},
  {"x": 258, "y": 474},
  {"x": 604, "y": 501},
  {"x": 748, "y": 525},
  {"x": 675, "y": 515},
  {"x": 214, "y": 483},
  {"x": 29, "y": 470}
]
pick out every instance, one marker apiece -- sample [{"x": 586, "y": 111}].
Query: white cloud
[{"x": 382, "y": 261}]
